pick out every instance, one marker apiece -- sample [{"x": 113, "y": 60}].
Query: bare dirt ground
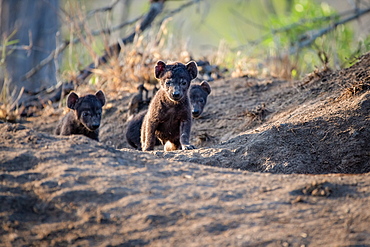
[{"x": 279, "y": 164}]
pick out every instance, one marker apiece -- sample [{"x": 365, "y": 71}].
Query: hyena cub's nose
[
  {"x": 176, "y": 95},
  {"x": 96, "y": 125},
  {"x": 195, "y": 112}
]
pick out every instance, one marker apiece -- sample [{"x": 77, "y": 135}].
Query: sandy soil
[{"x": 279, "y": 164}]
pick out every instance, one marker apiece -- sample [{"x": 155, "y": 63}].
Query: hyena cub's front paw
[
  {"x": 188, "y": 147},
  {"x": 147, "y": 148}
]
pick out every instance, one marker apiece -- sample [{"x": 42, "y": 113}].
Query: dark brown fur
[
  {"x": 198, "y": 94},
  {"x": 198, "y": 97},
  {"x": 85, "y": 117},
  {"x": 169, "y": 116},
  {"x": 138, "y": 102},
  {"x": 133, "y": 130}
]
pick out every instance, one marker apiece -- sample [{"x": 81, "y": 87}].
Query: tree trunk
[{"x": 36, "y": 25}]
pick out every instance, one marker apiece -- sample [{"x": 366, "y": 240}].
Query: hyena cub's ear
[
  {"x": 100, "y": 95},
  {"x": 71, "y": 100},
  {"x": 159, "y": 69},
  {"x": 192, "y": 69},
  {"x": 206, "y": 87}
]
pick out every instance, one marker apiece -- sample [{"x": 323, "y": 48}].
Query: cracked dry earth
[{"x": 278, "y": 163}]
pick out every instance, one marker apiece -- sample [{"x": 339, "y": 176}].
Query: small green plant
[
  {"x": 301, "y": 33},
  {"x": 293, "y": 38}
]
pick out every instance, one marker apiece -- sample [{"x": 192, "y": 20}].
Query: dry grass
[
  {"x": 278, "y": 66},
  {"x": 258, "y": 114},
  {"x": 360, "y": 81},
  {"x": 317, "y": 74},
  {"x": 9, "y": 110},
  {"x": 203, "y": 139},
  {"x": 135, "y": 62},
  {"x": 355, "y": 88}
]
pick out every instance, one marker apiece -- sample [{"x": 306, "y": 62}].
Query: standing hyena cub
[
  {"x": 169, "y": 115},
  {"x": 85, "y": 117},
  {"x": 198, "y": 94}
]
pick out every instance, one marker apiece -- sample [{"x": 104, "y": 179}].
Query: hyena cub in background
[
  {"x": 198, "y": 94},
  {"x": 85, "y": 117},
  {"x": 138, "y": 101},
  {"x": 169, "y": 115}
]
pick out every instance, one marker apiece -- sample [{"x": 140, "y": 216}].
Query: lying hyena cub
[
  {"x": 85, "y": 117},
  {"x": 198, "y": 94},
  {"x": 198, "y": 97},
  {"x": 169, "y": 116}
]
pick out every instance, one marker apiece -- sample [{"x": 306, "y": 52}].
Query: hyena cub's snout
[
  {"x": 177, "y": 92},
  {"x": 176, "y": 95},
  {"x": 91, "y": 119},
  {"x": 195, "y": 112}
]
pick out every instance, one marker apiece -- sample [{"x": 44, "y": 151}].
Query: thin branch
[
  {"x": 257, "y": 25},
  {"x": 64, "y": 45},
  {"x": 303, "y": 21},
  {"x": 115, "y": 28},
  {"x": 175, "y": 11},
  {"x": 116, "y": 47},
  {"x": 45, "y": 61},
  {"x": 155, "y": 9},
  {"x": 323, "y": 31},
  {"x": 103, "y": 9},
  {"x": 15, "y": 103},
  {"x": 357, "y": 13},
  {"x": 81, "y": 24}
]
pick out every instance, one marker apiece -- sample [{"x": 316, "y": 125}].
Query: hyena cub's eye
[
  {"x": 168, "y": 82},
  {"x": 85, "y": 113},
  {"x": 183, "y": 82}
]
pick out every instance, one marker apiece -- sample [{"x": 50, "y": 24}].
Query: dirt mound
[
  {"x": 331, "y": 139},
  {"x": 73, "y": 191},
  {"x": 319, "y": 126}
]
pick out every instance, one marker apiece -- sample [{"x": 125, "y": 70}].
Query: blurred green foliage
[
  {"x": 304, "y": 20},
  {"x": 227, "y": 31}
]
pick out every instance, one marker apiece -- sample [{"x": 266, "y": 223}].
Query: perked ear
[
  {"x": 193, "y": 69},
  {"x": 206, "y": 87},
  {"x": 71, "y": 100},
  {"x": 100, "y": 95},
  {"x": 159, "y": 69}
]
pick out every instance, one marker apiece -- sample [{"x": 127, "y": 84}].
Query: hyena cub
[
  {"x": 138, "y": 101},
  {"x": 198, "y": 94},
  {"x": 85, "y": 117},
  {"x": 169, "y": 116}
]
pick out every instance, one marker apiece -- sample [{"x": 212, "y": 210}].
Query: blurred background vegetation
[{"x": 256, "y": 38}]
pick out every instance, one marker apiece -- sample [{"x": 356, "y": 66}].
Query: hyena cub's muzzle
[
  {"x": 91, "y": 120},
  {"x": 176, "y": 95},
  {"x": 177, "y": 89}
]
